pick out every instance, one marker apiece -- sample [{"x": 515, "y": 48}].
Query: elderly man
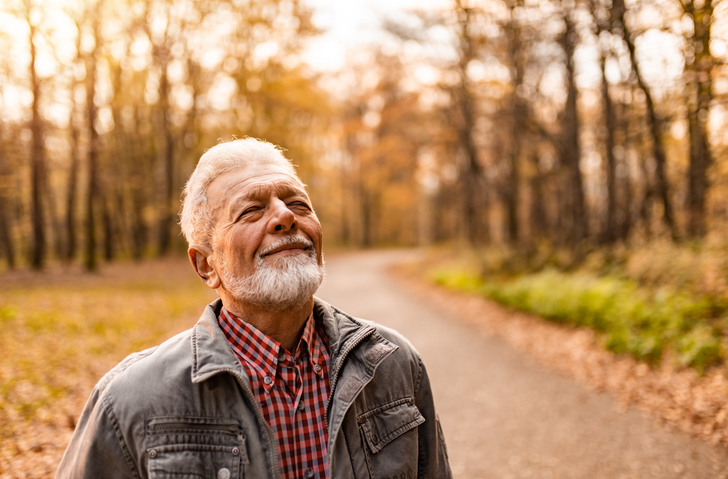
[{"x": 271, "y": 382}]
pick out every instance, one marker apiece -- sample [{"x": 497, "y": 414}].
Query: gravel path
[{"x": 504, "y": 415}]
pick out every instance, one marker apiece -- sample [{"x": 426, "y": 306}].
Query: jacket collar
[
  {"x": 210, "y": 349},
  {"x": 212, "y": 354}
]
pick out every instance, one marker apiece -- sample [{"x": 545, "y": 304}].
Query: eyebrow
[{"x": 282, "y": 190}]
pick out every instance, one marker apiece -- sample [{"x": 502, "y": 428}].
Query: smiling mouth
[
  {"x": 291, "y": 245},
  {"x": 287, "y": 250}
]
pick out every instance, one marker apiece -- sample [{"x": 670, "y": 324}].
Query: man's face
[{"x": 264, "y": 223}]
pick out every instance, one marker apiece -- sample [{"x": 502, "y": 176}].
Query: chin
[{"x": 283, "y": 284}]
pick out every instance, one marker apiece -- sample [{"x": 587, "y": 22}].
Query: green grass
[{"x": 644, "y": 322}]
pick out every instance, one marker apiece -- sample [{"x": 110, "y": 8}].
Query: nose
[{"x": 281, "y": 217}]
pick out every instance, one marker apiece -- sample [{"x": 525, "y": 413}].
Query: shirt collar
[{"x": 261, "y": 352}]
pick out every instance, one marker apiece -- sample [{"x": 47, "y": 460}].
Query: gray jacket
[{"x": 185, "y": 409}]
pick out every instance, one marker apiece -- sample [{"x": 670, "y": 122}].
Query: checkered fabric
[{"x": 292, "y": 390}]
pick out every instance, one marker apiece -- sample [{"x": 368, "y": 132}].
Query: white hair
[{"x": 196, "y": 218}]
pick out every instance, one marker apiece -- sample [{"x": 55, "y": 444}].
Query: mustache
[{"x": 286, "y": 240}]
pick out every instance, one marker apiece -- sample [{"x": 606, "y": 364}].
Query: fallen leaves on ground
[{"x": 61, "y": 330}]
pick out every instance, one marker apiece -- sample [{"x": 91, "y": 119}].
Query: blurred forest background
[
  {"x": 572, "y": 153},
  {"x": 570, "y": 124}
]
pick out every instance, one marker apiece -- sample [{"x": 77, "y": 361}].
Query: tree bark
[
  {"x": 470, "y": 171},
  {"x": 6, "y": 237},
  {"x": 108, "y": 226},
  {"x": 72, "y": 193},
  {"x": 92, "y": 193},
  {"x": 655, "y": 125},
  {"x": 570, "y": 150},
  {"x": 519, "y": 114},
  {"x": 167, "y": 174},
  {"x": 538, "y": 215},
  {"x": 610, "y": 233},
  {"x": 37, "y": 155},
  {"x": 700, "y": 94}
]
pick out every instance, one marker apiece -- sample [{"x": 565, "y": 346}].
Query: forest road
[{"x": 504, "y": 415}]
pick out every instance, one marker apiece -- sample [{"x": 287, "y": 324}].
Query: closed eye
[
  {"x": 248, "y": 211},
  {"x": 299, "y": 205}
]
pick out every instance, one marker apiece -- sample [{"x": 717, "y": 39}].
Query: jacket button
[
  {"x": 152, "y": 454},
  {"x": 235, "y": 451},
  {"x": 375, "y": 439}
]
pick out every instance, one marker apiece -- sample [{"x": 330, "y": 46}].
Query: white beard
[{"x": 279, "y": 284}]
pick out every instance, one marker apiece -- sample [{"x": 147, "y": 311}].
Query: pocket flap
[{"x": 386, "y": 423}]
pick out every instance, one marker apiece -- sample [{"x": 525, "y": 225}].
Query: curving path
[{"x": 505, "y": 416}]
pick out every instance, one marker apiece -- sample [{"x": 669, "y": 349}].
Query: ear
[{"x": 201, "y": 258}]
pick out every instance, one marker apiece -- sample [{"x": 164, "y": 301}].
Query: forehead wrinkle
[{"x": 262, "y": 190}]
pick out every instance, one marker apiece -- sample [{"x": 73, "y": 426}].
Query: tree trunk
[
  {"x": 108, "y": 226},
  {"x": 167, "y": 173},
  {"x": 367, "y": 222},
  {"x": 519, "y": 113},
  {"x": 139, "y": 227},
  {"x": 37, "y": 156},
  {"x": 538, "y": 215},
  {"x": 71, "y": 196},
  {"x": 625, "y": 184},
  {"x": 609, "y": 235},
  {"x": 605, "y": 23},
  {"x": 655, "y": 125},
  {"x": 6, "y": 237},
  {"x": 570, "y": 150},
  {"x": 92, "y": 194},
  {"x": 699, "y": 96},
  {"x": 470, "y": 170}
]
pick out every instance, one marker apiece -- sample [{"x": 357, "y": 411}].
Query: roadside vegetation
[
  {"x": 60, "y": 334},
  {"x": 660, "y": 302}
]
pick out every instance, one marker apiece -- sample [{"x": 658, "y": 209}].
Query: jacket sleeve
[
  {"x": 97, "y": 448},
  {"x": 432, "y": 455}
]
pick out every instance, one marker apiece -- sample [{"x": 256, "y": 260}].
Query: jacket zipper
[{"x": 346, "y": 351}]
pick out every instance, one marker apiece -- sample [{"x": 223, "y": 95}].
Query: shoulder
[
  {"x": 394, "y": 337},
  {"x": 346, "y": 326},
  {"x": 377, "y": 346},
  {"x": 143, "y": 374}
]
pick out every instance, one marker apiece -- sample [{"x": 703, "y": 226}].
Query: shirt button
[
  {"x": 309, "y": 472},
  {"x": 281, "y": 355},
  {"x": 268, "y": 380},
  {"x": 301, "y": 406},
  {"x": 317, "y": 368}
]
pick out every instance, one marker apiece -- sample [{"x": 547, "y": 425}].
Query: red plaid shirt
[{"x": 292, "y": 390}]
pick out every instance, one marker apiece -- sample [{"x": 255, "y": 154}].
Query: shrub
[{"x": 637, "y": 321}]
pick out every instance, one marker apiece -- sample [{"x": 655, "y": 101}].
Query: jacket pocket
[
  {"x": 390, "y": 435},
  {"x": 187, "y": 448}
]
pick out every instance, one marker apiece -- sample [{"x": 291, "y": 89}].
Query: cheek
[
  {"x": 239, "y": 244},
  {"x": 313, "y": 229}
]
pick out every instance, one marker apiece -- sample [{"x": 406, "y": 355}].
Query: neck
[{"x": 283, "y": 325}]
